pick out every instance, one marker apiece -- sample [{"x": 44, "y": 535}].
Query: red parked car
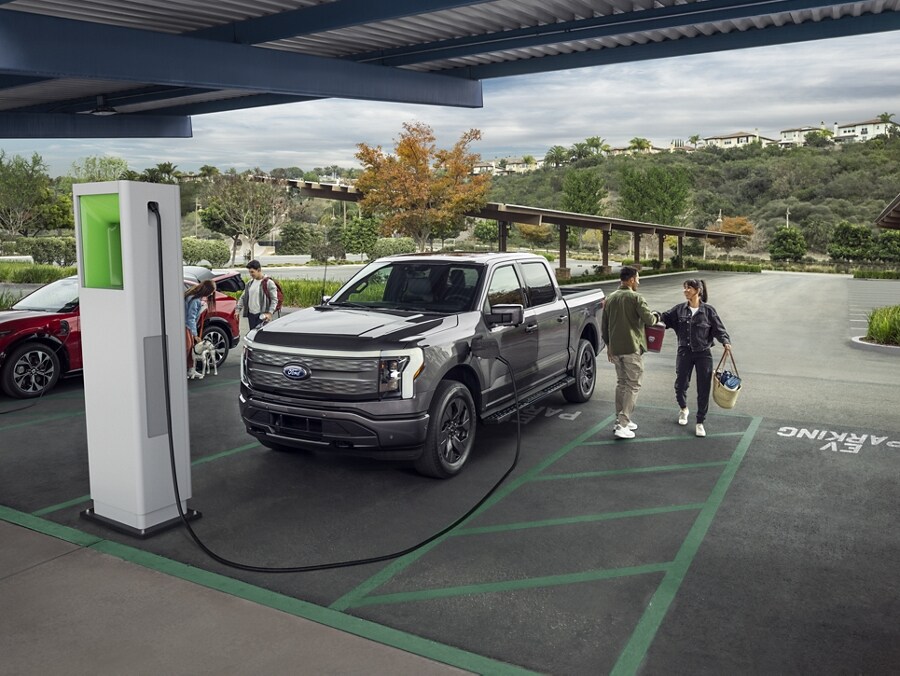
[{"x": 40, "y": 336}]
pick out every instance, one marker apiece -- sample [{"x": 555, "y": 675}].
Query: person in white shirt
[{"x": 259, "y": 299}]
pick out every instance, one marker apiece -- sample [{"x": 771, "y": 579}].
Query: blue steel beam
[
  {"x": 34, "y": 45},
  {"x": 701, "y": 44},
  {"x": 222, "y": 105},
  {"x": 44, "y": 125},
  {"x": 659, "y": 18},
  {"x": 320, "y": 18}
]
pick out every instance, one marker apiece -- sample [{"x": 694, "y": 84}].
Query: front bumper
[{"x": 308, "y": 425}]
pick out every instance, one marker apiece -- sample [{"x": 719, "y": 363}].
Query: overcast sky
[{"x": 769, "y": 88}]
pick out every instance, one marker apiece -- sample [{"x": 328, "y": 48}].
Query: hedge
[{"x": 214, "y": 251}]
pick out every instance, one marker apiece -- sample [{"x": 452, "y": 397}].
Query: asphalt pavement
[{"x": 770, "y": 546}]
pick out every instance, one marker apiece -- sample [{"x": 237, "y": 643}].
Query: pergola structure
[
  {"x": 506, "y": 214},
  {"x": 140, "y": 68},
  {"x": 890, "y": 217}
]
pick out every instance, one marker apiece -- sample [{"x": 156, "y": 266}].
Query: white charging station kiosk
[{"x": 119, "y": 248}]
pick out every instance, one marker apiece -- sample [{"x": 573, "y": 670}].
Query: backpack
[{"x": 279, "y": 293}]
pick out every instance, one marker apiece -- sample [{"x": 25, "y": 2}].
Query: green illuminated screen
[{"x": 101, "y": 241}]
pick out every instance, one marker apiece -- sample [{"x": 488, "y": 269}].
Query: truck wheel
[
  {"x": 451, "y": 431},
  {"x": 585, "y": 374},
  {"x": 220, "y": 342},
  {"x": 31, "y": 370}
]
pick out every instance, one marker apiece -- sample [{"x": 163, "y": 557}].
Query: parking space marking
[
  {"x": 630, "y": 470},
  {"x": 43, "y": 419},
  {"x": 513, "y": 585},
  {"x": 62, "y": 505},
  {"x": 584, "y": 518},
  {"x": 354, "y": 595},
  {"x": 633, "y": 654},
  {"x": 674, "y": 437}
]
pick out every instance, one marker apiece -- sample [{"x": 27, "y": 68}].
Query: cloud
[{"x": 765, "y": 88}]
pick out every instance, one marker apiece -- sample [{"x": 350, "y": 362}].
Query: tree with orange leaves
[{"x": 421, "y": 189}]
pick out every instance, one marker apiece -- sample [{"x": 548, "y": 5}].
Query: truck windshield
[{"x": 434, "y": 286}]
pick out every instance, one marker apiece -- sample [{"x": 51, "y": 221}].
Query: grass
[
  {"x": 8, "y": 299},
  {"x": 884, "y": 325}
]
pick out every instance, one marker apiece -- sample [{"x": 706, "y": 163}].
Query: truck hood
[{"x": 331, "y": 327}]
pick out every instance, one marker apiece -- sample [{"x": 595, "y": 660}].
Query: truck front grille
[{"x": 329, "y": 377}]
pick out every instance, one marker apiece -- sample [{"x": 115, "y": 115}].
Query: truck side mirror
[{"x": 506, "y": 315}]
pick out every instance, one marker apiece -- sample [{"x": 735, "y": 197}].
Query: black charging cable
[{"x": 485, "y": 347}]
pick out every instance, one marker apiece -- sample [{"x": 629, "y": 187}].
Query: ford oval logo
[{"x": 296, "y": 372}]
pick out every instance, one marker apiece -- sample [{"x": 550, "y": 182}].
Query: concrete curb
[{"x": 860, "y": 344}]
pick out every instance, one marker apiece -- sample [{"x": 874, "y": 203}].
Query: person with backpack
[{"x": 261, "y": 298}]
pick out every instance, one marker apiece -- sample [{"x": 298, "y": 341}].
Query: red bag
[{"x": 654, "y": 335}]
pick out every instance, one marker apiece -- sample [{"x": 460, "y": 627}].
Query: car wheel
[
  {"x": 451, "y": 431},
  {"x": 31, "y": 370},
  {"x": 220, "y": 341},
  {"x": 585, "y": 374}
]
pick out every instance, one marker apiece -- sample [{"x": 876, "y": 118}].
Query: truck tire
[
  {"x": 585, "y": 374},
  {"x": 31, "y": 370},
  {"x": 451, "y": 431}
]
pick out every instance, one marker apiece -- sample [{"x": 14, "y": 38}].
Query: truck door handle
[
  {"x": 531, "y": 328},
  {"x": 562, "y": 318}
]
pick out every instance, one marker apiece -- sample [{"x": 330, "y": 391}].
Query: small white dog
[{"x": 205, "y": 356}]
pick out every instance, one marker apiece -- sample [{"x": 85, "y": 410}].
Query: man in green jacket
[{"x": 625, "y": 314}]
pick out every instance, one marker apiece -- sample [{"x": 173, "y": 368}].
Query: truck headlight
[
  {"x": 390, "y": 373},
  {"x": 396, "y": 373}
]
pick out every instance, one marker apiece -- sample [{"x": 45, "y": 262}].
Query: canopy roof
[{"x": 121, "y": 68}]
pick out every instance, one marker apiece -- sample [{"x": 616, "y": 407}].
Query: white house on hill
[
  {"x": 738, "y": 140},
  {"x": 862, "y": 131}
]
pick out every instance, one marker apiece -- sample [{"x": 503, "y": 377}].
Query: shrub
[
  {"x": 723, "y": 266},
  {"x": 390, "y": 246},
  {"x": 216, "y": 252},
  {"x": 26, "y": 273},
  {"x": 787, "y": 244},
  {"x": 884, "y": 325},
  {"x": 876, "y": 274},
  {"x": 48, "y": 250},
  {"x": 191, "y": 250}
]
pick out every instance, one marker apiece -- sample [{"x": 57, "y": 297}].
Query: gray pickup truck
[{"x": 402, "y": 362}]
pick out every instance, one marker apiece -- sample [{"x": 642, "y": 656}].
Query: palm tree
[
  {"x": 885, "y": 117},
  {"x": 557, "y": 155},
  {"x": 639, "y": 144},
  {"x": 580, "y": 150},
  {"x": 208, "y": 171},
  {"x": 695, "y": 140},
  {"x": 529, "y": 160},
  {"x": 597, "y": 145}
]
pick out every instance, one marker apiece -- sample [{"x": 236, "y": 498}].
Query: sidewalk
[{"x": 72, "y": 610}]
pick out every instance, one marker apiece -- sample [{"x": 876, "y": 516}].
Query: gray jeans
[{"x": 629, "y": 371}]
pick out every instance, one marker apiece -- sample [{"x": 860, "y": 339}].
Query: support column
[
  {"x": 502, "y": 233},
  {"x": 604, "y": 254},
  {"x": 661, "y": 251},
  {"x": 680, "y": 249},
  {"x": 637, "y": 250},
  {"x": 563, "y": 272}
]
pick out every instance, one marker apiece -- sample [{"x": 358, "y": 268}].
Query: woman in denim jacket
[{"x": 696, "y": 324}]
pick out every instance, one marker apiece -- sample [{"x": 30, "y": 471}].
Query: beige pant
[{"x": 629, "y": 371}]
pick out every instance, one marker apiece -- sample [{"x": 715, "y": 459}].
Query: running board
[{"x": 505, "y": 414}]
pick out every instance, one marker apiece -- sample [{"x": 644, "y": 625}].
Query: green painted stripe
[
  {"x": 639, "y": 440},
  {"x": 76, "y": 537},
  {"x": 386, "y": 573},
  {"x": 199, "y": 461},
  {"x": 634, "y": 652},
  {"x": 351, "y": 625},
  {"x": 225, "y": 454},
  {"x": 61, "y": 505},
  {"x": 631, "y": 470},
  {"x": 43, "y": 419},
  {"x": 587, "y": 518},
  {"x": 513, "y": 585},
  {"x": 215, "y": 385}
]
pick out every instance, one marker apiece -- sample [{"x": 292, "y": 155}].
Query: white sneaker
[
  {"x": 632, "y": 426},
  {"x": 682, "y": 416},
  {"x": 701, "y": 431},
  {"x": 623, "y": 433}
]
